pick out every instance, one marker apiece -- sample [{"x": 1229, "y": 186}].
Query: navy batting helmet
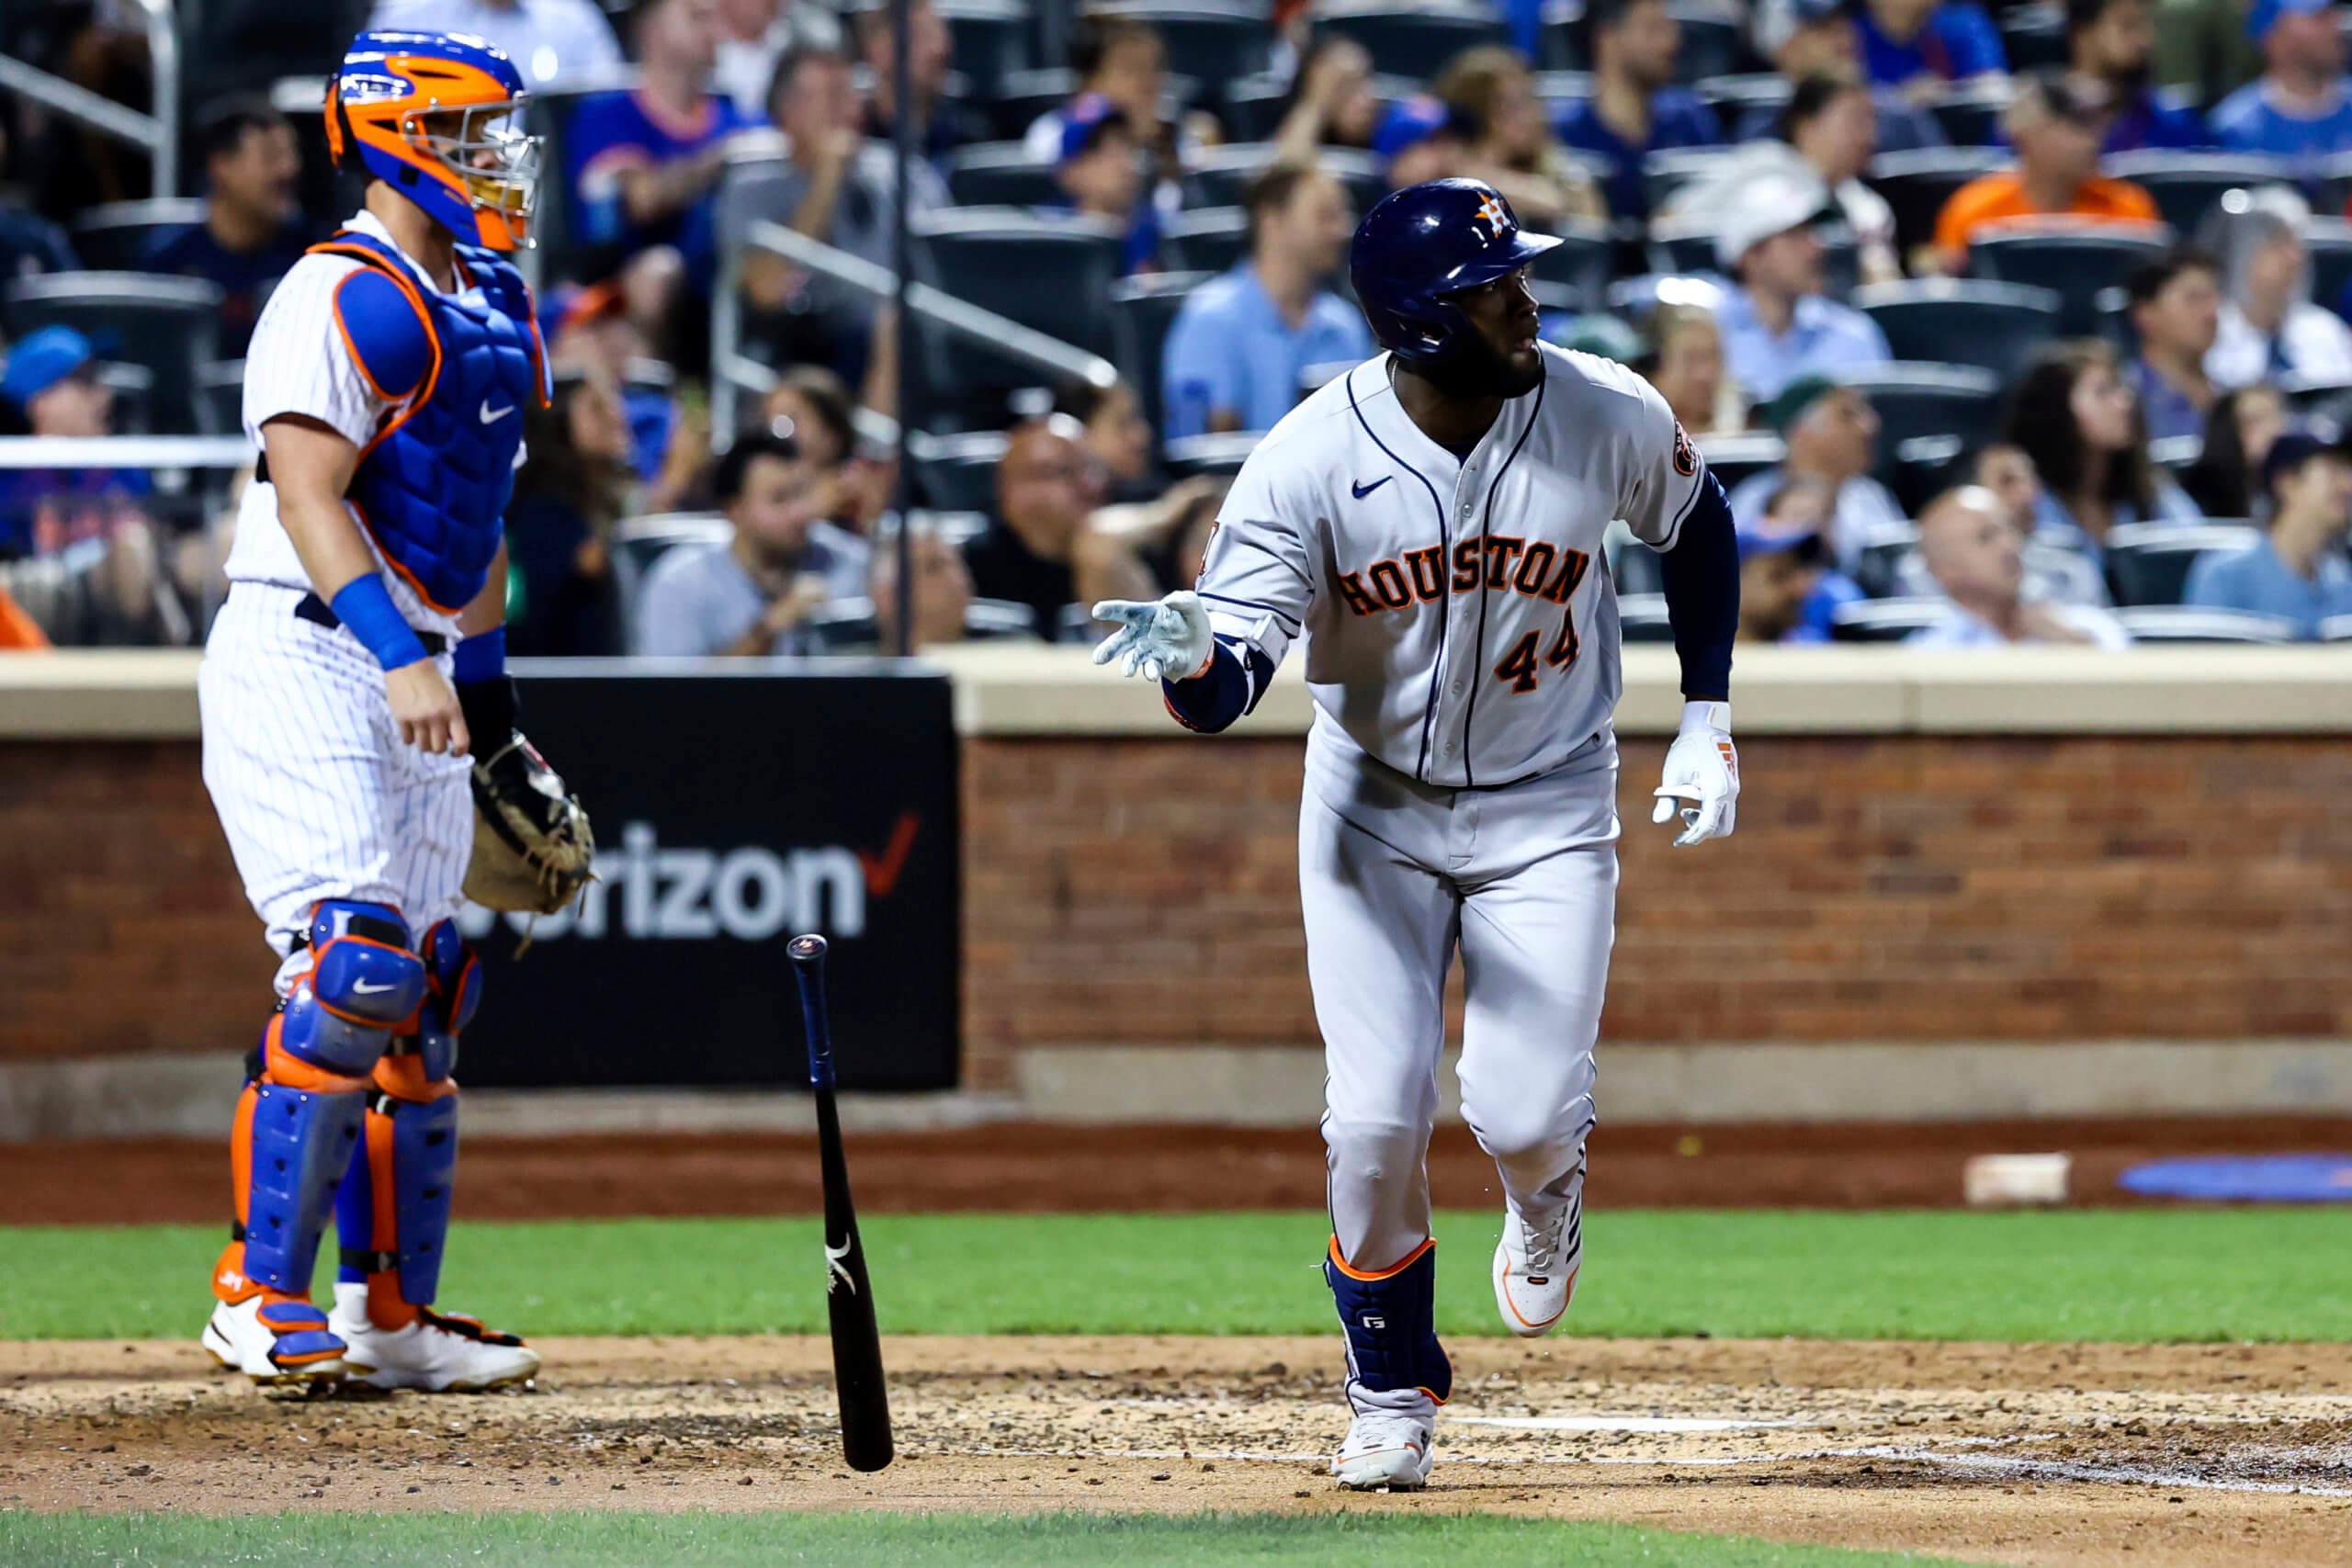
[{"x": 1422, "y": 243}]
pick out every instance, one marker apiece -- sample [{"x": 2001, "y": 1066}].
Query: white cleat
[
  {"x": 1533, "y": 1278},
  {"x": 276, "y": 1342},
  {"x": 1385, "y": 1452},
  {"x": 438, "y": 1353}
]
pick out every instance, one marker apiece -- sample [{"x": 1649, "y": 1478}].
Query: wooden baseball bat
[{"x": 849, "y": 1300}]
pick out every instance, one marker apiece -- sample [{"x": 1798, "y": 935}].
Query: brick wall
[{"x": 1143, "y": 890}]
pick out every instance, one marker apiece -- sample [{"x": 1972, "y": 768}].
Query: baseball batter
[
  {"x": 1431, "y": 525},
  {"x": 360, "y": 657}
]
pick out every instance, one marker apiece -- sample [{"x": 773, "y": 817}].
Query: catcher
[{"x": 359, "y": 660}]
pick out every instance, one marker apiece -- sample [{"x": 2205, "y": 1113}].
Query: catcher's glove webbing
[{"x": 532, "y": 848}]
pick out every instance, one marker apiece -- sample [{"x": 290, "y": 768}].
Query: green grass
[
  {"x": 2136, "y": 1274},
  {"x": 756, "y": 1541}
]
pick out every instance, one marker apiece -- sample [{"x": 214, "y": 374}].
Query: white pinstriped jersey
[
  {"x": 1461, "y": 625},
  {"x": 299, "y": 362}
]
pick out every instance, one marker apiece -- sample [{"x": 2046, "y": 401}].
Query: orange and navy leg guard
[
  {"x": 393, "y": 1210},
  {"x": 299, "y": 1116},
  {"x": 1391, "y": 1323}
]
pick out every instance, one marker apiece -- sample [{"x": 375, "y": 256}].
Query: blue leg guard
[
  {"x": 1391, "y": 1324},
  {"x": 298, "y": 1143}
]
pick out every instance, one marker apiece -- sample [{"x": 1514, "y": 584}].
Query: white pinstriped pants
[{"x": 317, "y": 794}]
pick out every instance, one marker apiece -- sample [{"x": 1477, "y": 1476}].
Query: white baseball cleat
[
  {"x": 1386, "y": 1450},
  {"x": 1534, "y": 1275},
  {"x": 438, "y": 1353},
  {"x": 277, "y": 1341}
]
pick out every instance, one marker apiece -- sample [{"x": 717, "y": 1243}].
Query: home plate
[{"x": 1616, "y": 1422}]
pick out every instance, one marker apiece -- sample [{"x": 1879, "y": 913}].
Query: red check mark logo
[{"x": 882, "y": 871}]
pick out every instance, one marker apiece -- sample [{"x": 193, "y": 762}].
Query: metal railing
[
  {"x": 125, "y": 452},
  {"x": 156, "y": 134}
]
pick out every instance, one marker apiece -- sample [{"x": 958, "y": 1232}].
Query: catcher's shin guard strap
[
  {"x": 1391, "y": 1323},
  {"x": 292, "y": 1146},
  {"x": 393, "y": 1213}
]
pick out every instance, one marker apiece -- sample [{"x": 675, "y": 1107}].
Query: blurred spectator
[
  {"x": 2269, "y": 327},
  {"x": 1817, "y": 38},
  {"x": 2297, "y": 107},
  {"x": 1776, "y": 324},
  {"x": 645, "y": 164},
  {"x": 1634, "y": 109},
  {"x": 855, "y": 489},
  {"x": 1831, "y": 124},
  {"x": 755, "y": 35},
  {"x": 2052, "y": 573},
  {"x": 2203, "y": 51},
  {"x": 1490, "y": 101},
  {"x": 1975, "y": 556},
  {"x": 592, "y": 326},
  {"x": 1915, "y": 45},
  {"x": 2056, "y": 131},
  {"x": 2297, "y": 569},
  {"x": 1781, "y": 566},
  {"x": 575, "y": 485},
  {"x": 1241, "y": 345},
  {"x": 837, "y": 186},
  {"x": 943, "y": 591},
  {"x": 1192, "y": 540},
  {"x": 2176, "y": 311},
  {"x": 1331, "y": 103},
  {"x": 1039, "y": 551},
  {"x": 2238, "y": 433},
  {"x": 1417, "y": 141},
  {"x": 1123, "y": 59},
  {"x": 2076, "y": 415},
  {"x": 1118, "y": 435},
  {"x": 1684, "y": 360},
  {"x": 2110, "y": 45},
  {"x": 1101, "y": 171},
  {"x": 753, "y": 596},
  {"x": 252, "y": 228},
  {"x": 553, "y": 43},
  {"x": 1831, "y": 433},
  {"x": 29, "y": 243},
  {"x": 939, "y": 124}
]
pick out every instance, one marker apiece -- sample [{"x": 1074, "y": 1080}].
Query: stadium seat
[
  {"x": 1578, "y": 266},
  {"x": 2187, "y": 185},
  {"x": 1000, "y": 174},
  {"x": 1219, "y": 454},
  {"x": 1961, "y": 322},
  {"x": 1051, "y": 273},
  {"x": 1214, "y": 239},
  {"x": 1666, "y": 172},
  {"x": 1021, "y": 96},
  {"x": 221, "y": 397},
  {"x": 2077, "y": 264},
  {"x": 1408, "y": 39},
  {"x": 167, "y": 324},
  {"x": 114, "y": 237},
  {"x": 641, "y": 541},
  {"x": 1884, "y": 620},
  {"x": 1714, "y": 42},
  {"x": 1565, "y": 43},
  {"x": 1253, "y": 107},
  {"x": 1218, "y": 174},
  {"x": 1733, "y": 458},
  {"x": 1916, "y": 184},
  {"x": 992, "y": 40},
  {"x": 1641, "y": 617},
  {"x": 957, "y": 473},
  {"x": 1878, "y": 565},
  {"x": 1213, "y": 42},
  {"x": 1916, "y": 401},
  {"x": 2329, "y": 242},
  {"x": 2034, "y": 35},
  {"x": 2175, "y": 452},
  {"x": 1142, "y": 310},
  {"x": 1923, "y": 468},
  {"x": 1969, "y": 112},
  {"x": 134, "y": 387},
  {"x": 2179, "y": 623},
  {"x": 2147, "y": 563},
  {"x": 1733, "y": 99},
  {"x": 2335, "y": 629}
]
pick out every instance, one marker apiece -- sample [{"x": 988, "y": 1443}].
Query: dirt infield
[
  {"x": 1012, "y": 1167},
  {"x": 2046, "y": 1455}
]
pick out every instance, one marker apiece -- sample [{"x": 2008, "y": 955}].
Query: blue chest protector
[{"x": 432, "y": 487}]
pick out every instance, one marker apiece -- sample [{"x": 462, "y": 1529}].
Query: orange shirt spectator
[
  {"x": 2056, "y": 127},
  {"x": 18, "y": 630}
]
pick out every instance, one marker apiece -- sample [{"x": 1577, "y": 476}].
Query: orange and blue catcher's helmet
[{"x": 435, "y": 116}]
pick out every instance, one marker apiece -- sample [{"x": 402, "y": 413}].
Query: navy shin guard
[{"x": 1391, "y": 1323}]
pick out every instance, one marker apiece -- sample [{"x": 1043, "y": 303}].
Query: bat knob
[{"x": 805, "y": 949}]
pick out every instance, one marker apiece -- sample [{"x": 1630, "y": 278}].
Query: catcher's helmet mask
[
  {"x": 436, "y": 116},
  {"x": 1414, "y": 253}
]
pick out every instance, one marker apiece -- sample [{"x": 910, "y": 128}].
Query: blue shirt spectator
[
  {"x": 2255, "y": 120},
  {"x": 1776, "y": 324},
  {"x": 1902, "y": 40},
  {"x": 1101, "y": 171},
  {"x": 1903, "y": 125},
  {"x": 2297, "y": 570},
  {"x": 49, "y": 382},
  {"x": 253, "y": 227},
  {"x": 2148, "y": 123},
  {"x": 1678, "y": 119},
  {"x": 1821, "y": 335},
  {"x": 1240, "y": 345},
  {"x": 2110, "y": 50},
  {"x": 1634, "y": 109},
  {"x": 2297, "y": 107}
]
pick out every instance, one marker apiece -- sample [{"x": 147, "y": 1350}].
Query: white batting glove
[
  {"x": 1701, "y": 767},
  {"x": 1167, "y": 639}
]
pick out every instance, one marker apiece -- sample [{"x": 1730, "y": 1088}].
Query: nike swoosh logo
[
  {"x": 362, "y": 988},
  {"x": 489, "y": 418},
  {"x": 1363, "y": 490}
]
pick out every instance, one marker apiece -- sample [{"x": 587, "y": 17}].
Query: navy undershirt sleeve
[
  {"x": 1702, "y": 593},
  {"x": 1229, "y": 687}
]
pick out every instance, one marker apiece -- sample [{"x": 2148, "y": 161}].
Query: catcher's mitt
[{"x": 533, "y": 849}]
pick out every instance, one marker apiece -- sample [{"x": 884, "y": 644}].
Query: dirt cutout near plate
[{"x": 2104, "y": 1454}]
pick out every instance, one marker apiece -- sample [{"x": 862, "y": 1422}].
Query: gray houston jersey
[{"x": 1460, "y": 622}]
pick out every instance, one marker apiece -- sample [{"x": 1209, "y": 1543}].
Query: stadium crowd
[{"x": 2024, "y": 325}]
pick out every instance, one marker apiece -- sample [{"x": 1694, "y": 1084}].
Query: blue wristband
[
  {"x": 366, "y": 605},
  {"x": 481, "y": 656}
]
